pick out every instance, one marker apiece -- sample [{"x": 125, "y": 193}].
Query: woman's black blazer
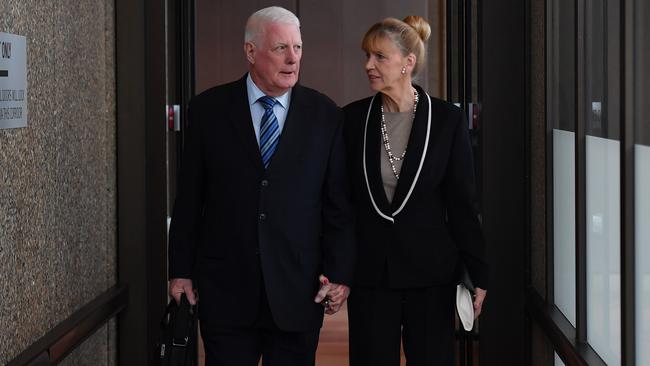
[{"x": 432, "y": 225}]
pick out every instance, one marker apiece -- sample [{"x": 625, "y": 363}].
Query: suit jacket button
[
  {"x": 265, "y": 183},
  {"x": 262, "y": 217}
]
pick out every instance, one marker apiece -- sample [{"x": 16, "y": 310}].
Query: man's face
[{"x": 274, "y": 60}]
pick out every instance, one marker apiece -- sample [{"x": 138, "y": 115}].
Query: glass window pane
[
  {"x": 642, "y": 179},
  {"x": 602, "y": 187},
  {"x": 561, "y": 114},
  {"x": 558, "y": 360},
  {"x": 565, "y": 66},
  {"x": 603, "y": 248},
  {"x": 642, "y": 235},
  {"x": 564, "y": 233}
]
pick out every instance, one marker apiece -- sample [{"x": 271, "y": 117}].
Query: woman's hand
[
  {"x": 478, "y": 301},
  {"x": 331, "y": 295}
]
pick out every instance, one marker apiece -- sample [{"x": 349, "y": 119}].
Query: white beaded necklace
[{"x": 384, "y": 133}]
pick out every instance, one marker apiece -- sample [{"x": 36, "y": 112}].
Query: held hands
[
  {"x": 331, "y": 295},
  {"x": 478, "y": 301},
  {"x": 178, "y": 286}
]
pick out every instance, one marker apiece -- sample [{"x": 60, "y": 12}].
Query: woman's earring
[{"x": 404, "y": 70}]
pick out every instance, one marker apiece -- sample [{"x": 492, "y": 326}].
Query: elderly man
[{"x": 262, "y": 224}]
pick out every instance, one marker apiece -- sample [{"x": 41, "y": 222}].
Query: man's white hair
[{"x": 272, "y": 14}]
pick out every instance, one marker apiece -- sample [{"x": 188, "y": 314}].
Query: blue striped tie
[{"x": 269, "y": 130}]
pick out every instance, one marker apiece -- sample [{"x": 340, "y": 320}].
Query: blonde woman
[{"x": 413, "y": 186}]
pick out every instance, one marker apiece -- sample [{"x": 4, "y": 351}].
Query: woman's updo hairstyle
[{"x": 408, "y": 35}]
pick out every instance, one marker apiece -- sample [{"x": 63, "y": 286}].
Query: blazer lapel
[
  {"x": 240, "y": 119},
  {"x": 295, "y": 132},
  {"x": 374, "y": 147},
  {"x": 415, "y": 149}
]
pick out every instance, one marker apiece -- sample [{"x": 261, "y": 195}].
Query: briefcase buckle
[{"x": 184, "y": 344}]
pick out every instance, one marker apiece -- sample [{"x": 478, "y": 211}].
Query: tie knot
[{"x": 267, "y": 102}]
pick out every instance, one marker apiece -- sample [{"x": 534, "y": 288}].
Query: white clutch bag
[
  {"x": 465, "y": 300},
  {"x": 465, "y": 306}
]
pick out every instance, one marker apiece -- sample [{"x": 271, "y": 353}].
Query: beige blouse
[{"x": 398, "y": 126}]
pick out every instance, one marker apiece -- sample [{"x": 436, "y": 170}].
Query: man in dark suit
[{"x": 262, "y": 225}]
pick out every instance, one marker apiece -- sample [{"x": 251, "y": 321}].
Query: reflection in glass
[{"x": 603, "y": 219}]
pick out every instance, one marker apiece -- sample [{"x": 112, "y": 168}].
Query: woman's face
[{"x": 384, "y": 65}]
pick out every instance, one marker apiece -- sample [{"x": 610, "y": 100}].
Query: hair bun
[{"x": 420, "y": 25}]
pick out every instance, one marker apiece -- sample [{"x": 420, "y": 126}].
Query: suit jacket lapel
[
  {"x": 295, "y": 132},
  {"x": 415, "y": 149},
  {"x": 373, "y": 148},
  {"x": 240, "y": 119}
]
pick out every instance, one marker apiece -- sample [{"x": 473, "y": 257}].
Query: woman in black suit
[{"x": 413, "y": 182}]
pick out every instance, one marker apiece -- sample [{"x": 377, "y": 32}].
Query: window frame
[{"x": 569, "y": 342}]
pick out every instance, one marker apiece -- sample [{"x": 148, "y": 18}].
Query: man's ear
[{"x": 249, "y": 51}]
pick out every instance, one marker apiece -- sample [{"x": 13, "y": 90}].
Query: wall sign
[{"x": 13, "y": 81}]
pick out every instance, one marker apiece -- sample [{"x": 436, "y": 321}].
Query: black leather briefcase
[{"x": 177, "y": 346}]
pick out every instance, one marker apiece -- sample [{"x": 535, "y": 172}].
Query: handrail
[
  {"x": 56, "y": 344},
  {"x": 560, "y": 332}
]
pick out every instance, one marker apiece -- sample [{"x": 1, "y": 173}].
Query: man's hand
[
  {"x": 478, "y": 301},
  {"x": 331, "y": 295},
  {"x": 178, "y": 286}
]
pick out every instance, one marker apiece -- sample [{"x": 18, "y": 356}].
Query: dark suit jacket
[
  {"x": 432, "y": 221},
  {"x": 237, "y": 227}
]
